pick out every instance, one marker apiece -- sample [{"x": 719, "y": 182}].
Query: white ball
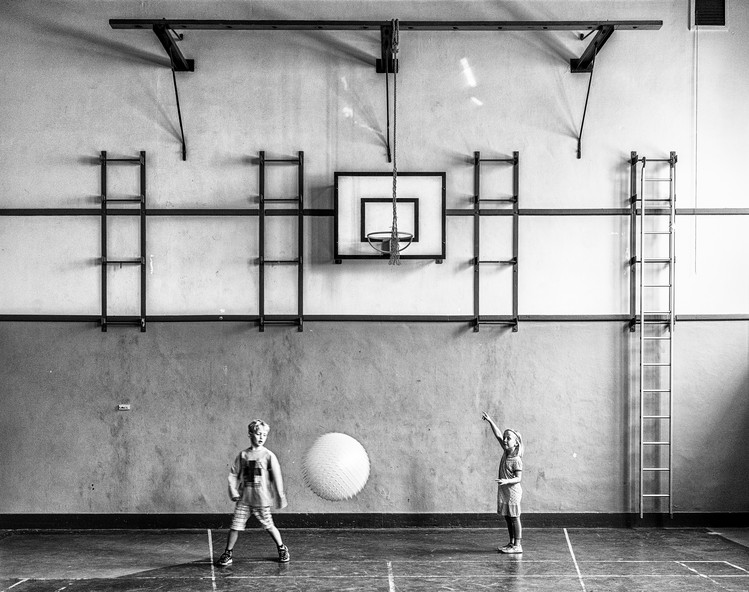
[{"x": 336, "y": 467}]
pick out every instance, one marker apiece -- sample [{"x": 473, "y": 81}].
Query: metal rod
[
  {"x": 364, "y": 25},
  {"x": 300, "y": 242},
  {"x": 103, "y": 315},
  {"x": 585, "y": 109},
  {"x": 476, "y": 237},
  {"x": 143, "y": 246},
  {"x": 261, "y": 240},
  {"x": 179, "y": 111}
]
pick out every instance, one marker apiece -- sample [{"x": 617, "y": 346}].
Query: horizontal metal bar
[
  {"x": 359, "y": 25},
  {"x": 20, "y": 212},
  {"x": 498, "y": 200},
  {"x": 284, "y": 160},
  {"x": 656, "y": 390},
  {"x": 281, "y": 262},
  {"x": 137, "y": 199},
  {"x": 656, "y": 417},
  {"x": 656, "y": 495},
  {"x": 281, "y": 200},
  {"x": 134, "y": 160},
  {"x": 656, "y": 443},
  {"x": 508, "y": 262},
  {"x": 509, "y": 160},
  {"x": 665, "y": 469},
  {"x": 656, "y": 363}
]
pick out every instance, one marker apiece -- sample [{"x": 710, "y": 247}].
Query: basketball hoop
[{"x": 382, "y": 241}]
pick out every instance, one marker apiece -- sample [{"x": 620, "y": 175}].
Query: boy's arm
[
  {"x": 235, "y": 478},
  {"x": 494, "y": 427},
  {"x": 275, "y": 468}
]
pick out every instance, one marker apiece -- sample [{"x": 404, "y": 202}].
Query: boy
[{"x": 255, "y": 483}]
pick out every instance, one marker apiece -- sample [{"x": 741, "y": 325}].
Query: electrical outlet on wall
[{"x": 123, "y": 407}]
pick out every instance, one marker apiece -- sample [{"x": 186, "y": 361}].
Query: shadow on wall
[{"x": 53, "y": 34}]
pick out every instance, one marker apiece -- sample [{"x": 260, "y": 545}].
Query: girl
[{"x": 510, "y": 492}]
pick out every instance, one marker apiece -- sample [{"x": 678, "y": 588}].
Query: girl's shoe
[
  {"x": 283, "y": 554},
  {"x": 513, "y": 549},
  {"x": 504, "y": 549},
  {"x": 225, "y": 559}
]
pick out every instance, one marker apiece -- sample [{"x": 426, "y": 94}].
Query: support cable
[
  {"x": 395, "y": 258},
  {"x": 176, "y": 94},
  {"x": 585, "y": 109}
]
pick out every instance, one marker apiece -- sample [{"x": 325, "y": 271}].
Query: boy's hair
[{"x": 257, "y": 425}]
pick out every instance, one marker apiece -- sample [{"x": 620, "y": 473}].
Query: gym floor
[{"x": 390, "y": 560}]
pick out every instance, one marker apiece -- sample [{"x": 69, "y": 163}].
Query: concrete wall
[{"x": 70, "y": 87}]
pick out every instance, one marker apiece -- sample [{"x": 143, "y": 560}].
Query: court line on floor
[
  {"x": 210, "y": 551},
  {"x": 17, "y": 583},
  {"x": 736, "y": 566},
  {"x": 577, "y": 568},
  {"x": 700, "y": 574},
  {"x": 391, "y": 582}
]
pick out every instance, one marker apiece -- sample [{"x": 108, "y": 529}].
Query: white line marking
[
  {"x": 577, "y": 568},
  {"x": 701, "y": 574},
  {"x": 20, "y": 582},
  {"x": 210, "y": 551},
  {"x": 736, "y": 566},
  {"x": 391, "y": 581}
]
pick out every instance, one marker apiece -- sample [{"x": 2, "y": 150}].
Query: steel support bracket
[
  {"x": 179, "y": 62},
  {"x": 386, "y": 64},
  {"x": 585, "y": 62}
]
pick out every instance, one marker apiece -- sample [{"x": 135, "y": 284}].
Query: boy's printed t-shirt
[{"x": 251, "y": 477}]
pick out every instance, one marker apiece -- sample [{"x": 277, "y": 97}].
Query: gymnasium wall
[{"x": 412, "y": 393}]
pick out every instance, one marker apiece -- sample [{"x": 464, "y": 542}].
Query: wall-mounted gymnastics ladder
[
  {"x": 298, "y": 212},
  {"x": 107, "y": 320},
  {"x": 655, "y": 261},
  {"x": 477, "y": 261}
]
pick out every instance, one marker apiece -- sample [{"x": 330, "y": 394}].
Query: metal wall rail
[
  {"x": 229, "y": 212},
  {"x": 597, "y": 318}
]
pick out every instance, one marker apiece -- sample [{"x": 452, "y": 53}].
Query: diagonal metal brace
[
  {"x": 179, "y": 62},
  {"x": 585, "y": 62}
]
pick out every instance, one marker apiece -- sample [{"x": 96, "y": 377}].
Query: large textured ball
[{"x": 336, "y": 467}]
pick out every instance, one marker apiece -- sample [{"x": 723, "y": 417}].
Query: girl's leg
[
  {"x": 510, "y": 529},
  {"x": 518, "y": 529},
  {"x": 231, "y": 541}
]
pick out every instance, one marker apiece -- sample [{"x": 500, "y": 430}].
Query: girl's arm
[
  {"x": 495, "y": 429},
  {"x": 516, "y": 479}
]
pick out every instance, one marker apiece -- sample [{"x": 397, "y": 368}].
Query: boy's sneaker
[
  {"x": 283, "y": 554},
  {"x": 225, "y": 559},
  {"x": 513, "y": 549}
]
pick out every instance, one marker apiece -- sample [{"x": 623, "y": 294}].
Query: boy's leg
[{"x": 265, "y": 518}]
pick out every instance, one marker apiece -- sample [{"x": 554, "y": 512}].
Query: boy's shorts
[{"x": 242, "y": 514}]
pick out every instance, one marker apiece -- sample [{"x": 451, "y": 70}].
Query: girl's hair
[
  {"x": 520, "y": 447},
  {"x": 258, "y": 425}
]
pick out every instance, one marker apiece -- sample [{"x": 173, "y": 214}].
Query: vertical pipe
[
  {"x": 143, "y": 241},
  {"x": 103, "y": 161},
  {"x": 300, "y": 242},
  {"x": 633, "y": 240},
  {"x": 672, "y": 326},
  {"x": 515, "y": 234},
  {"x": 261, "y": 242},
  {"x": 642, "y": 333},
  {"x": 476, "y": 229}
]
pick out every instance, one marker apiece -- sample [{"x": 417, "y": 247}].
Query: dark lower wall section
[
  {"x": 283, "y": 521},
  {"x": 412, "y": 394}
]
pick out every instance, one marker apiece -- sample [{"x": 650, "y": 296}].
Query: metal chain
[{"x": 394, "y": 238}]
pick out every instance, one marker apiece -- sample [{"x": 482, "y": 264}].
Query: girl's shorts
[{"x": 242, "y": 514}]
